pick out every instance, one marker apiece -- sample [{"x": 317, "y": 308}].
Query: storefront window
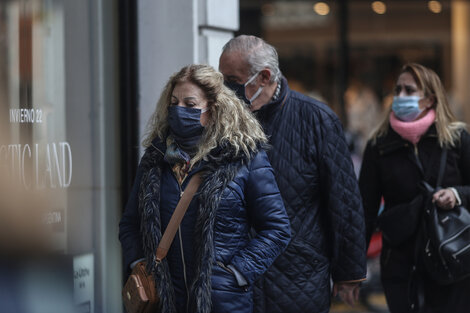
[
  {"x": 348, "y": 53},
  {"x": 58, "y": 180},
  {"x": 34, "y": 145}
]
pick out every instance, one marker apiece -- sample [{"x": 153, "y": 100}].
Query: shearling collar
[{"x": 223, "y": 154}]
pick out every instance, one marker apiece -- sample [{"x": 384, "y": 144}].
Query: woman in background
[{"x": 417, "y": 127}]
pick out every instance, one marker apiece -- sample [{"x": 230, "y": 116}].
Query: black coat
[
  {"x": 315, "y": 174},
  {"x": 236, "y": 194},
  {"x": 390, "y": 170}
]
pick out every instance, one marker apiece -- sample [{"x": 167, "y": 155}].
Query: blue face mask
[
  {"x": 185, "y": 125},
  {"x": 240, "y": 90},
  {"x": 406, "y": 108}
]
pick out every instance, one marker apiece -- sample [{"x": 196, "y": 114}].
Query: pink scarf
[{"x": 413, "y": 130}]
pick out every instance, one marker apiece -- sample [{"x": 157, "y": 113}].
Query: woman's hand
[{"x": 445, "y": 199}]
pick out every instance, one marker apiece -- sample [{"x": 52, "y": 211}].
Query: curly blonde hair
[
  {"x": 447, "y": 126},
  {"x": 229, "y": 122}
]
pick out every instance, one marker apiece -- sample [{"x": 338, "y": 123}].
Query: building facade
[{"x": 79, "y": 80}]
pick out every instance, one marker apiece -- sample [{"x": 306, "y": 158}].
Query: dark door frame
[{"x": 129, "y": 104}]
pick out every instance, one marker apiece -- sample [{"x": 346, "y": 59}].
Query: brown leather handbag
[{"x": 140, "y": 294}]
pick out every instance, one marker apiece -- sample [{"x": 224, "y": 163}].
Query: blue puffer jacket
[
  {"x": 235, "y": 195},
  {"x": 315, "y": 175}
]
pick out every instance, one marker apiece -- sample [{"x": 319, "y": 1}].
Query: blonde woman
[
  {"x": 200, "y": 125},
  {"x": 417, "y": 127}
]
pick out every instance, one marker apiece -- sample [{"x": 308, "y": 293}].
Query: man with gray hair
[{"x": 314, "y": 172}]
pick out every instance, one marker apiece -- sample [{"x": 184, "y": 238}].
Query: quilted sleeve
[
  {"x": 464, "y": 166},
  {"x": 268, "y": 217},
  {"x": 129, "y": 227},
  {"x": 345, "y": 217}
]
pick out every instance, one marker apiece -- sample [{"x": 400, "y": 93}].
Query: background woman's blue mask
[
  {"x": 406, "y": 108},
  {"x": 185, "y": 125}
]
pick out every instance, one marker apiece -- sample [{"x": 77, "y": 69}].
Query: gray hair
[{"x": 259, "y": 54}]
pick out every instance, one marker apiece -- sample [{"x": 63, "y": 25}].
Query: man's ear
[{"x": 265, "y": 77}]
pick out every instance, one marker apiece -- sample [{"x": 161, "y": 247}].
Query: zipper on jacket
[
  {"x": 181, "y": 244},
  {"x": 228, "y": 269},
  {"x": 184, "y": 270},
  {"x": 222, "y": 265},
  {"x": 416, "y": 150},
  {"x": 180, "y": 186}
]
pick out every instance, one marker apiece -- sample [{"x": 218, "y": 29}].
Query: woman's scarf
[
  {"x": 413, "y": 130},
  {"x": 178, "y": 159}
]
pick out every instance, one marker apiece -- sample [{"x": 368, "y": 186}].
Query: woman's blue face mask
[
  {"x": 185, "y": 125},
  {"x": 406, "y": 108}
]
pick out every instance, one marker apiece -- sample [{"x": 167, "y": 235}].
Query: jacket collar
[
  {"x": 393, "y": 141},
  {"x": 273, "y": 106},
  {"x": 159, "y": 145},
  {"x": 219, "y": 156}
]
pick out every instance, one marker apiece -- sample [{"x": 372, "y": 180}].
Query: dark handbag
[
  {"x": 446, "y": 235},
  {"x": 140, "y": 294},
  {"x": 400, "y": 222}
]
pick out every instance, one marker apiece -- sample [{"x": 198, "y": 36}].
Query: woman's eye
[
  {"x": 173, "y": 103},
  {"x": 409, "y": 90},
  {"x": 190, "y": 104},
  {"x": 397, "y": 90}
]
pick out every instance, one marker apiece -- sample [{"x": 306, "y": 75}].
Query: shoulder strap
[
  {"x": 427, "y": 174},
  {"x": 177, "y": 217},
  {"x": 442, "y": 167}
]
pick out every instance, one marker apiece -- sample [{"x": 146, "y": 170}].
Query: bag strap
[
  {"x": 416, "y": 283},
  {"x": 442, "y": 166},
  {"x": 177, "y": 216}
]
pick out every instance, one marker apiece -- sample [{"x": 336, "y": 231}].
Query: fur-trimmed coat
[{"x": 236, "y": 194}]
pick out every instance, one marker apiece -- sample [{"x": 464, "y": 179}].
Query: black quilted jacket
[{"x": 314, "y": 172}]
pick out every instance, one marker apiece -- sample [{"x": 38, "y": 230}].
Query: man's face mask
[{"x": 240, "y": 90}]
